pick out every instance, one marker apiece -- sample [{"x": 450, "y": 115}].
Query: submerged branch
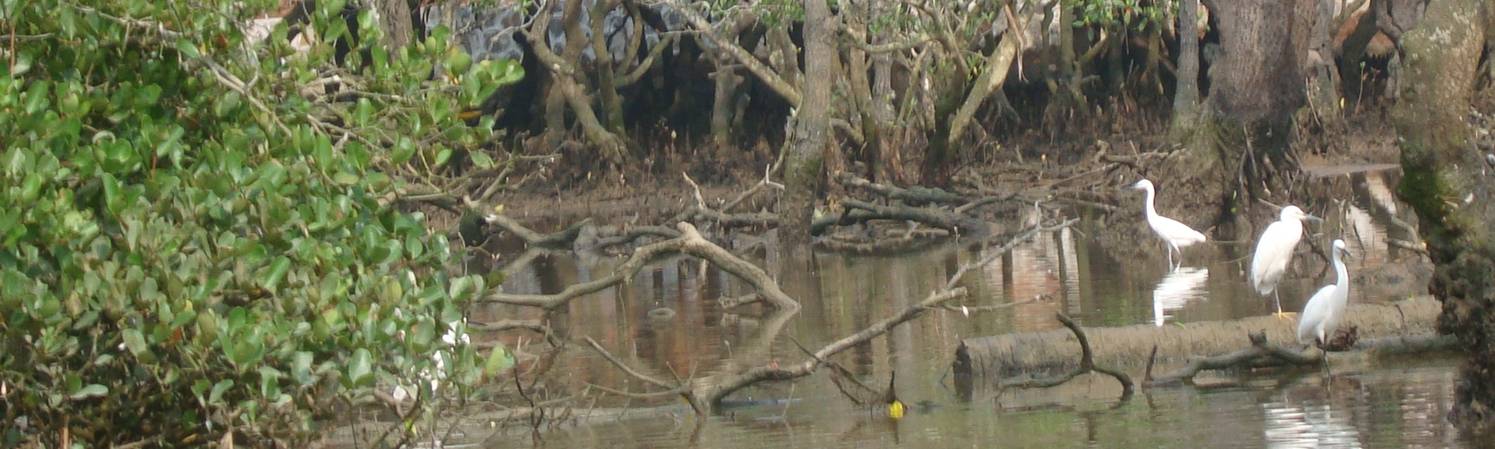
[
  {"x": 1087, "y": 365},
  {"x": 1248, "y": 357}
]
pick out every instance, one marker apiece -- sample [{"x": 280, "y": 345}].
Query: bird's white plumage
[
  {"x": 1325, "y": 309},
  {"x": 1273, "y": 252},
  {"x": 1176, "y": 235}
]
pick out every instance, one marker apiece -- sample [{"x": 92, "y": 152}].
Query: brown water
[{"x": 667, "y": 323}]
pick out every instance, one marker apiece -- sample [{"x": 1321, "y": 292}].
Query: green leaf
[
  {"x": 498, "y": 361},
  {"x": 216, "y": 396},
  {"x": 444, "y": 155},
  {"x": 135, "y": 342},
  {"x": 345, "y": 178},
  {"x": 90, "y": 391},
  {"x": 276, "y": 273},
  {"x": 481, "y": 160},
  {"x": 23, "y": 64},
  {"x": 301, "y": 368},
  {"x": 404, "y": 150},
  {"x": 360, "y": 368},
  {"x": 457, "y": 61},
  {"x": 185, "y": 46}
]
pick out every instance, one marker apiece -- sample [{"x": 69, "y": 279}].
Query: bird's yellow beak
[{"x": 895, "y": 409}]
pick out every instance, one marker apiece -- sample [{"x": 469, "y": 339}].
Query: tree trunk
[
  {"x": 887, "y": 164},
  {"x": 563, "y": 72},
  {"x": 1323, "y": 78},
  {"x": 1258, "y": 83},
  {"x": 1445, "y": 181},
  {"x": 811, "y": 128},
  {"x": 724, "y": 101},
  {"x": 1256, "y": 86},
  {"x": 1352, "y": 52},
  {"x": 612, "y": 105},
  {"x": 992, "y": 76},
  {"x": 860, "y": 86},
  {"x": 394, "y": 21},
  {"x": 1186, "y": 93}
]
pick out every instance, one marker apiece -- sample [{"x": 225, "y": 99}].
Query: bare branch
[
  {"x": 560, "y": 239},
  {"x": 627, "y": 369}
]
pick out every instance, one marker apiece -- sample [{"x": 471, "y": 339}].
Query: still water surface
[{"x": 667, "y": 323}]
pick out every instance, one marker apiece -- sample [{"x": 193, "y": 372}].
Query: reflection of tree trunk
[
  {"x": 811, "y": 128},
  {"x": 1444, "y": 181},
  {"x": 1186, "y": 97}
]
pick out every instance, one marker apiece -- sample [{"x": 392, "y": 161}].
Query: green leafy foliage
[
  {"x": 1135, "y": 15},
  {"x": 198, "y": 232}
]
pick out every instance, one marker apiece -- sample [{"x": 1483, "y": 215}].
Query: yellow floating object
[{"x": 895, "y": 409}]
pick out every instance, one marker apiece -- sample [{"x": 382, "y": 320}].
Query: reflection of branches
[
  {"x": 690, "y": 242},
  {"x": 704, "y": 394},
  {"x": 1087, "y": 365}
]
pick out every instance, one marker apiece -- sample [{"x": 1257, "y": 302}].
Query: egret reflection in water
[
  {"x": 1177, "y": 288},
  {"x": 1308, "y": 426}
]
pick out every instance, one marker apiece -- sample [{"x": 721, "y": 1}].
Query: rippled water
[{"x": 666, "y": 321}]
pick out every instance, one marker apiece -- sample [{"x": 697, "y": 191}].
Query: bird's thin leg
[
  {"x": 1277, "y": 298},
  {"x": 1328, "y": 373}
]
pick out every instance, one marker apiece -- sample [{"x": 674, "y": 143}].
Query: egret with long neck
[
  {"x": 1324, "y": 310},
  {"x": 1176, "y": 235},
  {"x": 1274, "y": 250}
]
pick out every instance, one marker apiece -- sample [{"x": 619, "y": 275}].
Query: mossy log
[{"x": 988, "y": 360}]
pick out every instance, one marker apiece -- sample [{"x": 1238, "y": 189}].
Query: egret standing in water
[
  {"x": 1275, "y": 249},
  {"x": 1324, "y": 310},
  {"x": 1176, "y": 235}
]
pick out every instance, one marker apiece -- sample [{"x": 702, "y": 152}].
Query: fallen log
[
  {"x": 989, "y": 360},
  {"x": 913, "y": 196}
]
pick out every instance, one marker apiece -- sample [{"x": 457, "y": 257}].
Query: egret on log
[
  {"x": 1176, "y": 235},
  {"x": 1274, "y": 250},
  {"x": 1324, "y": 310}
]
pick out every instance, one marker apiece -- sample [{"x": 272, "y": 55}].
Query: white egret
[
  {"x": 1275, "y": 249},
  {"x": 1324, "y": 310},
  {"x": 1176, "y": 235}
]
